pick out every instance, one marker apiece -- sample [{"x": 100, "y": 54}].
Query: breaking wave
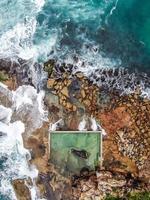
[
  {"x": 25, "y": 104},
  {"x": 74, "y": 32}
]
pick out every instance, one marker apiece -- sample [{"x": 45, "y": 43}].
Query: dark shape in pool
[
  {"x": 84, "y": 172},
  {"x": 80, "y": 153}
]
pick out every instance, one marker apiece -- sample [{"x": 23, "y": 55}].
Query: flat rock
[
  {"x": 50, "y": 83},
  {"x": 64, "y": 91}
]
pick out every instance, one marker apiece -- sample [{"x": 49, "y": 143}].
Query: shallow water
[{"x": 63, "y": 148}]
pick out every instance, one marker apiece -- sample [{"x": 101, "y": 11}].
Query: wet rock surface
[
  {"x": 20, "y": 72},
  {"x": 21, "y": 189},
  {"x": 125, "y": 119},
  {"x": 71, "y": 98}
]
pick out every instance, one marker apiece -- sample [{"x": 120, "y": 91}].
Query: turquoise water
[
  {"x": 128, "y": 33},
  {"x": 120, "y": 29},
  {"x": 62, "y": 144},
  {"x": 115, "y": 29}
]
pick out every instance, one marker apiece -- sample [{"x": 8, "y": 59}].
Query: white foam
[
  {"x": 145, "y": 93},
  {"x": 94, "y": 125},
  {"x": 26, "y": 104},
  {"x": 16, "y": 41},
  {"x": 27, "y": 98},
  {"x": 5, "y": 114},
  {"x": 11, "y": 146},
  {"x": 39, "y": 4},
  {"x": 90, "y": 60},
  {"x": 111, "y": 11},
  {"x": 82, "y": 125},
  {"x": 23, "y": 95},
  {"x": 53, "y": 127}
]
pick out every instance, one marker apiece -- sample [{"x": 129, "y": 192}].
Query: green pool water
[{"x": 63, "y": 148}]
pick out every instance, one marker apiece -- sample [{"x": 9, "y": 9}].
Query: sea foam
[{"x": 25, "y": 101}]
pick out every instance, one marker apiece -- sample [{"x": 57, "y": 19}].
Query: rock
[
  {"x": 50, "y": 83},
  {"x": 120, "y": 133},
  {"x": 69, "y": 82},
  {"x": 132, "y": 134},
  {"x": 79, "y": 75},
  {"x": 45, "y": 178},
  {"x": 83, "y": 93},
  {"x": 56, "y": 87},
  {"x": 64, "y": 91},
  {"x": 119, "y": 121},
  {"x": 49, "y": 67},
  {"x": 74, "y": 108},
  {"x": 115, "y": 119},
  {"x": 69, "y": 105},
  {"x": 65, "y": 82},
  {"x": 87, "y": 102},
  {"x": 143, "y": 107},
  {"x": 21, "y": 189},
  {"x": 64, "y": 103},
  {"x": 3, "y": 76}
]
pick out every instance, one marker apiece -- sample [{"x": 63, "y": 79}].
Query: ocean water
[
  {"x": 102, "y": 33},
  {"x": 94, "y": 35},
  {"x": 24, "y": 114},
  {"x": 114, "y": 32}
]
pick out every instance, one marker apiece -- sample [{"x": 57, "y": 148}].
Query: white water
[
  {"x": 25, "y": 101},
  {"x": 17, "y": 38},
  {"x": 26, "y": 110},
  {"x": 82, "y": 125},
  {"x": 95, "y": 126},
  {"x": 54, "y": 126},
  {"x": 27, "y": 106}
]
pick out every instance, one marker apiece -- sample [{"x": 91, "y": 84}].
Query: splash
[
  {"x": 96, "y": 126},
  {"x": 54, "y": 126},
  {"x": 11, "y": 148},
  {"x": 82, "y": 125},
  {"x": 25, "y": 105}
]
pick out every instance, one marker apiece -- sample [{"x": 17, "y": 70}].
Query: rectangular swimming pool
[{"x": 70, "y": 151}]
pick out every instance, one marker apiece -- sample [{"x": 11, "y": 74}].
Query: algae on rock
[{"x": 3, "y": 76}]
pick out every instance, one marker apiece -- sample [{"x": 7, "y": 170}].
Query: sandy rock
[
  {"x": 21, "y": 189},
  {"x": 64, "y": 91},
  {"x": 74, "y": 108},
  {"x": 87, "y": 102},
  {"x": 64, "y": 103},
  {"x": 116, "y": 119},
  {"x": 50, "y": 83},
  {"x": 79, "y": 75},
  {"x": 69, "y": 105},
  {"x": 83, "y": 93},
  {"x": 56, "y": 87},
  {"x": 68, "y": 82}
]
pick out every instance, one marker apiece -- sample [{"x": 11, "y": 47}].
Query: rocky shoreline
[{"x": 72, "y": 97}]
